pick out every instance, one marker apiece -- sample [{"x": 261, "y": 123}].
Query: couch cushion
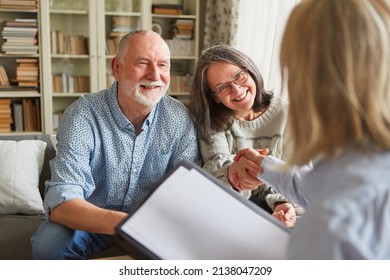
[
  {"x": 20, "y": 168},
  {"x": 15, "y": 235},
  {"x": 49, "y": 154}
]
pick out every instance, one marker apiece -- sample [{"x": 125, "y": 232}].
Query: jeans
[{"x": 56, "y": 242}]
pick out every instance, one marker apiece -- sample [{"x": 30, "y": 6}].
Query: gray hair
[{"x": 123, "y": 43}]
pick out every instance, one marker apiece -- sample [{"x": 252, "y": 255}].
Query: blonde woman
[{"x": 335, "y": 57}]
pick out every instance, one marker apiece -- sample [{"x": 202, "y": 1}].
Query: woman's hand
[
  {"x": 285, "y": 213},
  {"x": 242, "y": 174},
  {"x": 254, "y": 155},
  {"x": 240, "y": 178}
]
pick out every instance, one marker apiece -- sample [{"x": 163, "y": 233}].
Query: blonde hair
[{"x": 335, "y": 61}]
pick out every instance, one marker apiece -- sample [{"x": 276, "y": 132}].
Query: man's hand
[
  {"x": 285, "y": 213},
  {"x": 82, "y": 215}
]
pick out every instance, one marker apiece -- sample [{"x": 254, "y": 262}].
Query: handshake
[
  {"x": 243, "y": 175},
  {"x": 243, "y": 172}
]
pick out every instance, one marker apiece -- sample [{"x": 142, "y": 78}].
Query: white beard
[
  {"x": 146, "y": 99},
  {"x": 149, "y": 99}
]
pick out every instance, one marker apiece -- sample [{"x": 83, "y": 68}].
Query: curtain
[
  {"x": 260, "y": 29},
  {"x": 221, "y": 22}
]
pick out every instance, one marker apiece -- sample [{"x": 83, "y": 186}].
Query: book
[
  {"x": 33, "y": 61},
  {"x": 167, "y": 9},
  {"x": 19, "y": 4},
  {"x": 19, "y": 90},
  {"x": 5, "y": 111},
  {"x": 4, "y": 81},
  {"x": 30, "y": 114},
  {"x": 33, "y": 84},
  {"x": 5, "y": 115},
  {"x": 25, "y": 79},
  {"x": 5, "y": 102},
  {"x": 21, "y": 22},
  {"x": 193, "y": 216},
  {"x": 5, "y": 120},
  {"x": 5, "y": 129},
  {"x": 18, "y": 116}
]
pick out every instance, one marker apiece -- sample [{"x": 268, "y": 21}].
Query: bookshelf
[
  {"x": 69, "y": 59},
  {"x": 116, "y": 19},
  {"x": 178, "y": 22},
  {"x": 76, "y": 41},
  {"x": 20, "y": 61}
]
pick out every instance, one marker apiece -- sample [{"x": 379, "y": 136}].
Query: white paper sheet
[{"x": 190, "y": 217}]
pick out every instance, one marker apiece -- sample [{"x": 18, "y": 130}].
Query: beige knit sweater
[{"x": 267, "y": 131}]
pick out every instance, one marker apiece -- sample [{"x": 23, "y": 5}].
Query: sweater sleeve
[
  {"x": 272, "y": 197},
  {"x": 217, "y": 159}
]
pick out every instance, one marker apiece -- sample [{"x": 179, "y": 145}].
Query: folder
[{"x": 193, "y": 216}]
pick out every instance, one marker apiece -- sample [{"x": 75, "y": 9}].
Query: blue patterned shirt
[{"x": 102, "y": 160}]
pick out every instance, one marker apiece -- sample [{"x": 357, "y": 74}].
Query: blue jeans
[{"x": 56, "y": 242}]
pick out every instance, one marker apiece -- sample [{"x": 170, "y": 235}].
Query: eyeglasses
[{"x": 226, "y": 88}]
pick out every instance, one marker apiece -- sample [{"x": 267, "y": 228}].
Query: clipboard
[{"x": 193, "y": 216}]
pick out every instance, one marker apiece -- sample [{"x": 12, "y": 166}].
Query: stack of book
[
  {"x": 20, "y": 36},
  {"x": 181, "y": 43},
  {"x": 65, "y": 83},
  {"x": 180, "y": 47},
  {"x": 27, "y": 72},
  {"x": 180, "y": 83},
  {"x": 167, "y": 9},
  {"x": 121, "y": 25},
  {"x": 182, "y": 28},
  {"x": 180, "y": 79},
  {"x": 5, "y": 115},
  {"x": 68, "y": 44},
  {"x": 18, "y": 4}
]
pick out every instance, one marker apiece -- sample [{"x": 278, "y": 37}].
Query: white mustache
[{"x": 151, "y": 84}]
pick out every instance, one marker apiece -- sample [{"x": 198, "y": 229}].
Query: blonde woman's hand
[{"x": 254, "y": 155}]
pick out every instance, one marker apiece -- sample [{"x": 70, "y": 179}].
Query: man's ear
[{"x": 115, "y": 67}]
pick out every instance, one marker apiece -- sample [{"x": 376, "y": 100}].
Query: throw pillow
[{"x": 20, "y": 167}]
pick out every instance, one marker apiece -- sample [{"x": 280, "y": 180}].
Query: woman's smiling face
[{"x": 240, "y": 97}]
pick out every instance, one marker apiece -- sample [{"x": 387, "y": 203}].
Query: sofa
[{"x": 21, "y": 215}]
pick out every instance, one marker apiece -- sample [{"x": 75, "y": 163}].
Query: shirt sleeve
[
  {"x": 71, "y": 173},
  {"x": 287, "y": 182}
]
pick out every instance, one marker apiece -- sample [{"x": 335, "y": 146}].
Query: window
[{"x": 260, "y": 29}]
